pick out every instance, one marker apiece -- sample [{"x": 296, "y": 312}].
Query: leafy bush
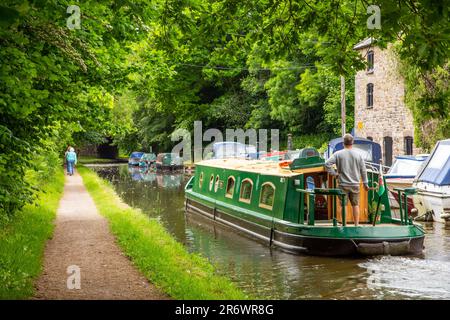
[
  {"x": 318, "y": 141},
  {"x": 23, "y": 238}
]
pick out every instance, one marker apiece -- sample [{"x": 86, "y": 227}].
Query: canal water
[{"x": 272, "y": 274}]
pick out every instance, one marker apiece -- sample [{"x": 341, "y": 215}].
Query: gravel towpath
[{"x": 82, "y": 241}]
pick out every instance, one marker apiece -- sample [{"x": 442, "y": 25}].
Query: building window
[
  {"x": 267, "y": 195},
  {"x": 246, "y": 190},
  {"x": 200, "y": 180},
  {"x": 370, "y": 138},
  {"x": 409, "y": 145},
  {"x": 370, "y": 95},
  {"x": 370, "y": 61},
  {"x": 230, "y": 187},
  {"x": 211, "y": 182},
  {"x": 216, "y": 185},
  {"x": 387, "y": 144}
]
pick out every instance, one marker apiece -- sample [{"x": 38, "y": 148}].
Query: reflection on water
[{"x": 270, "y": 273}]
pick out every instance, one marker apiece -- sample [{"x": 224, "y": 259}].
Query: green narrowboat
[
  {"x": 169, "y": 161},
  {"x": 296, "y": 206}
]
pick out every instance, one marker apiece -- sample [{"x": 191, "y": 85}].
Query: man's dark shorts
[{"x": 352, "y": 193}]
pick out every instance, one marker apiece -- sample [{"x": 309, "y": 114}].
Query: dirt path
[{"x": 82, "y": 238}]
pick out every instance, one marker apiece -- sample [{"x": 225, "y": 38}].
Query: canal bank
[
  {"x": 82, "y": 260},
  {"x": 23, "y": 238},
  {"x": 156, "y": 254}
]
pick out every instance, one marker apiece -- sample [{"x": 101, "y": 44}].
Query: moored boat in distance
[
  {"x": 401, "y": 175},
  {"x": 134, "y": 158},
  {"x": 295, "y": 207},
  {"x": 233, "y": 149},
  {"x": 147, "y": 160},
  {"x": 169, "y": 161},
  {"x": 369, "y": 150}
]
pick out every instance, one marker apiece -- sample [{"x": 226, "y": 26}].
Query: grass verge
[
  {"x": 23, "y": 238},
  {"x": 162, "y": 260}
]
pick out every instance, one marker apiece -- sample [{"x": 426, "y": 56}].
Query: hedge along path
[{"x": 82, "y": 239}]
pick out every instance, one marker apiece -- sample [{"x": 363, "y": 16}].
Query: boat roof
[
  {"x": 217, "y": 144},
  {"x": 256, "y": 166},
  {"x": 228, "y": 143},
  {"x": 136, "y": 154},
  {"x": 356, "y": 140},
  {"x": 437, "y": 168}
]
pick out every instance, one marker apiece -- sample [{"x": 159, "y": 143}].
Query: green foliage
[
  {"x": 163, "y": 260},
  {"x": 268, "y": 64},
  {"x": 23, "y": 238},
  {"x": 56, "y": 84},
  {"x": 318, "y": 141},
  {"x": 428, "y": 97}
]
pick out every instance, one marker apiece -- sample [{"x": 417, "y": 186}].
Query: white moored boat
[
  {"x": 401, "y": 175},
  {"x": 433, "y": 183}
]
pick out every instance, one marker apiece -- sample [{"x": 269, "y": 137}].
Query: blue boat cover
[
  {"x": 136, "y": 154},
  {"x": 437, "y": 168},
  {"x": 370, "y": 150}
]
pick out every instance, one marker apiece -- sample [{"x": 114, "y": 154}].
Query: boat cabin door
[{"x": 363, "y": 204}]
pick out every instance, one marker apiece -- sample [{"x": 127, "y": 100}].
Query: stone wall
[{"x": 389, "y": 116}]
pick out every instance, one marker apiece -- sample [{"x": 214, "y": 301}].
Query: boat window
[
  {"x": 246, "y": 190},
  {"x": 437, "y": 169},
  {"x": 216, "y": 185},
  {"x": 200, "y": 180},
  {"x": 230, "y": 187},
  {"x": 211, "y": 182},
  {"x": 405, "y": 167},
  {"x": 310, "y": 183},
  {"x": 267, "y": 195},
  {"x": 291, "y": 155},
  {"x": 364, "y": 150},
  {"x": 440, "y": 158}
]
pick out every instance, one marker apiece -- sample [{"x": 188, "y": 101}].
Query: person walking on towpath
[
  {"x": 71, "y": 158},
  {"x": 350, "y": 169}
]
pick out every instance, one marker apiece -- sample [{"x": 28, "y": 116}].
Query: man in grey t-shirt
[{"x": 350, "y": 169}]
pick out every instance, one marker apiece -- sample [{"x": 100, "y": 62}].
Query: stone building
[{"x": 380, "y": 111}]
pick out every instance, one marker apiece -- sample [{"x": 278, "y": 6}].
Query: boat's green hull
[{"x": 318, "y": 239}]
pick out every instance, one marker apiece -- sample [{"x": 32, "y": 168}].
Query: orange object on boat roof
[{"x": 285, "y": 164}]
